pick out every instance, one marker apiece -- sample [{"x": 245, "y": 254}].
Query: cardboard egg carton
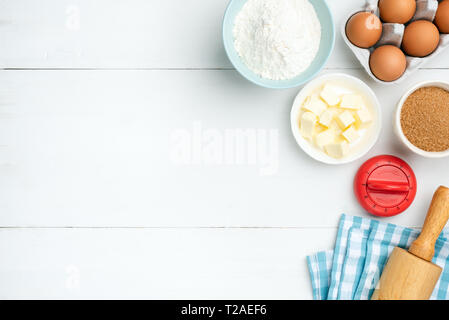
[{"x": 392, "y": 34}]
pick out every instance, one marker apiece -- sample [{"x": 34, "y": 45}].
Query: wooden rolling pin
[{"x": 410, "y": 275}]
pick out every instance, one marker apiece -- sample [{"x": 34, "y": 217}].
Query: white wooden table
[{"x": 95, "y": 98}]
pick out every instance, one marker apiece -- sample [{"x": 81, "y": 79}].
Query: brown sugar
[{"x": 425, "y": 119}]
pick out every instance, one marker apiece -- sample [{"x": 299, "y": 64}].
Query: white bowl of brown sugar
[{"x": 422, "y": 119}]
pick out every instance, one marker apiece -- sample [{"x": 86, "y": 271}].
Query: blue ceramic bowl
[{"x": 326, "y": 46}]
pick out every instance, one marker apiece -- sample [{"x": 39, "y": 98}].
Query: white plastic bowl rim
[
  {"x": 398, "y": 127},
  {"x": 314, "y": 152}
]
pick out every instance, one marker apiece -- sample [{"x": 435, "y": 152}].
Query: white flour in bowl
[{"x": 277, "y": 39}]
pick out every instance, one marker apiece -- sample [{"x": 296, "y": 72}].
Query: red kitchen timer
[{"x": 385, "y": 186}]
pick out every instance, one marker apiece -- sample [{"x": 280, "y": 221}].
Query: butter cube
[
  {"x": 315, "y": 104},
  {"x": 324, "y": 138},
  {"x": 345, "y": 119},
  {"x": 351, "y": 134},
  {"x": 337, "y": 149},
  {"x": 351, "y": 101},
  {"x": 329, "y": 95},
  {"x": 308, "y": 122},
  {"x": 336, "y": 127},
  {"x": 362, "y": 117},
  {"x": 326, "y": 118}
]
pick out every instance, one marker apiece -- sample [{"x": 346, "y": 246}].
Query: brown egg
[
  {"x": 364, "y": 29},
  {"x": 387, "y": 63},
  {"x": 421, "y": 38},
  {"x": 442, "y": 17},
  {"x": 397, "y": 11}
]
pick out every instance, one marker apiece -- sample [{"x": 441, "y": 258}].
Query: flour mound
[{"x": 277, "y": 39}]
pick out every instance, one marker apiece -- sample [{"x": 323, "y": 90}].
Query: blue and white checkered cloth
[{"x": 351, "y": 271}]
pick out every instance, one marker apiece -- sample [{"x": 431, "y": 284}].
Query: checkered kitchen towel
[{"x": 352, "y": 270}]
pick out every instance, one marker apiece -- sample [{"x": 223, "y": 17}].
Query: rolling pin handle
[{"x": 436, "y": 219}]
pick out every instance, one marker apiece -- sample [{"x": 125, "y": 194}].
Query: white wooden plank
[
  {"x": 112, "y": 34},
  {"x": 158, "y": 263},
  {"x": 94, "y": 148},
  {"x": 131, "y": 34}
]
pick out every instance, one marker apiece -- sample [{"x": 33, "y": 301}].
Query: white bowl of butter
[{"x": 336, "y": 118}]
